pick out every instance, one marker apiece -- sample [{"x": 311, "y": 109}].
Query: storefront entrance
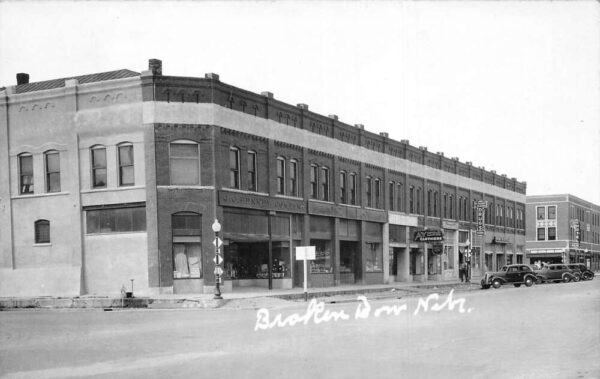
[{"x": 348, "y": 261}]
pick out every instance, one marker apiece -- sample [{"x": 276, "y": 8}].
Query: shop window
[
  {"x": 343, "y": 187},
  {"x": 374, "y": 257},
  {"x": 280, "y": 175},
  {"x": 552, "y": 212},
  {"x": 323, "y": 262},
  {"x": 234, "y": 167},
  {"x": 184, "y": 163},
  {"x": 116, "y": 220},
  {"x": 541, "y": 234},
  {"x": 368, "y": 187},
  {"x": 324, "y": 184},
  {"x": 552, "y": 234},
  {"x": 187, "y": 246},
  {"x": 541, "y": 213},
  {"x": 391, "y": 190},
  {"x": 293, "y": 178},
  {"x": 25, "y": 174},
  {"x": 42, "y": 231},
  {"x": 126, "y": 172},
  {"x": 314, "y": 185},
  {"x": 352, "y": 185},
  {"x": 98, "y": 167},
  {"x": 52, "y": 160},
  {"x": 251, "y": 171},
  {"x": 448, "y": 258}
]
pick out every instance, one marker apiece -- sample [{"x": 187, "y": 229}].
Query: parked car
[
  {"x": 556, "y": 272},
  {"x": 515, "y": 274},
  {"x": 584, "y": 272}
]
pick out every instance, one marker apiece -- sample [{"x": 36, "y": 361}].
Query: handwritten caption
[{"x": 317, "y": 313}]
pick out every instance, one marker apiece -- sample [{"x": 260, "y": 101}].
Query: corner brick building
[{"x": 113, "y": 177}]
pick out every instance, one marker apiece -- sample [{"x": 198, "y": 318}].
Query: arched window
[
  {"x": 352, "y": 185},
  {"x": 52, "y": 168},
  {"x": 25, "y": 174},
  {"x": 293, "y": 178},
  {"x": 281, "y": 175},
  {"x": 324, "y": 183},
  {"x": 368, "y": 191},
  {"x": 126, "y": 171},
  {"x": 184, "y": 163},
  {"x": 343, "y": 198},
  {"x": 234, "y": 167},
  {"x": 98, "y": 157},
  {"x": 435, "y": 203},
  {"x": 314, "y": 184},
  {"x": 42, "y": 231},
  {"x": 377, "y": 190},
  {"x": 252, "y": 183}
]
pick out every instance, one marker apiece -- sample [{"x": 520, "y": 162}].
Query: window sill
[
  {"x": 247, "y": 192},
  {"x": 100, "y": 190},
  {"x": 288, "y": 197},
  {"x": 34, "y": 195},
  {"x": 45, "y": 244}
]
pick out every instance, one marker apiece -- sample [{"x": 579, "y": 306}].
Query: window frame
[
  {"x": 353, "y": 186},
  {"x": 324, "y": 183},
  {"x": 30, "y": 186},
  {"x": 377, "y": 193},
  {"x": 182, "y": 158},
  {"x": 234, "y": 167},
  {"x": 38, "y": 233},
  {"x": 343, "y": 188},
  {"x": 293, "y": 178},
  {"x": 314, "y": 181},
  {"x": 280, "y": 171},
  {"x": 48, "y": 173},
  {"x": 98, "y": 167},
  {"x": 368, "y": 191},
  {"x": 252, "y": 178},
  {"x": 124, "y": 166}
]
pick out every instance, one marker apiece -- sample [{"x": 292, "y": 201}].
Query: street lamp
[
  {"x": 468, "y": 259},
  {"x": 216, "y": 227}
]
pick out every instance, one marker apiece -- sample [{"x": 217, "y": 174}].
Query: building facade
[
  {"x": 114, "y": 179},
  {"x": 563, "y": 229}
]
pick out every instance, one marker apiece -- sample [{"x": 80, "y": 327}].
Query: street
[{"x": 546, "y": 331}]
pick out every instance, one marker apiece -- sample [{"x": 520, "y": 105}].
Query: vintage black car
[
  {"x": 512, "y": 274},
  {"x": 584, "y": 272},
  {"x": 556, "y": 272}
]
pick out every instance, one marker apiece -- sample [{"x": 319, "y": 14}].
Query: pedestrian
[{"x": 462, "y": 272}]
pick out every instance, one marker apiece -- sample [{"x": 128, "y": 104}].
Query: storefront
[{"x": 349, "y": 238}]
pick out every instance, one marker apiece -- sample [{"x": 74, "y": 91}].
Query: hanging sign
[{"x": 433, "y": 235}]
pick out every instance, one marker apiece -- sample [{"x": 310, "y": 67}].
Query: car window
[
  {"x": 504, "y": 268},
  {"x": 512, "y": 269},
  {"x": 525, "y": 268}
]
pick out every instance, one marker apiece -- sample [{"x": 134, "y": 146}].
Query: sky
[{"x": 512, "y": 86}]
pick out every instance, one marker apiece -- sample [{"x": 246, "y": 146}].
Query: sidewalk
[{"x": 242, "y": 297}]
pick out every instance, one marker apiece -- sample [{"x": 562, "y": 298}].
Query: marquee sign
[{"x": 434, "y": 235}]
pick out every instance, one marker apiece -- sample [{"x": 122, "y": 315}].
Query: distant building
[
  {"x": 563, "y": 228},
  {"x": 117, "y": 177}
]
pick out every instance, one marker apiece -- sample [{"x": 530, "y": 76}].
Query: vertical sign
[
  {"x": 481, "y": 206},
  {"x": 576, "y": 227}
]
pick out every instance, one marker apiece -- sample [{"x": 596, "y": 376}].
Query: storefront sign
[
  {"x": 481, "y": 205},
  {"x": 500, "y": 240},
  {"x": 453, "y": 225},
  {"x": 243, "y": 200},
  {"x": 428, "y": 236}
]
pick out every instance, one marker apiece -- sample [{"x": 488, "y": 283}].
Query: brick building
[
  {"x": 117, "y": 176},
  {"x": 563, "y": 229}
]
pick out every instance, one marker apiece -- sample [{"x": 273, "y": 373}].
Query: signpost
[{"x": 305, "y": 253}]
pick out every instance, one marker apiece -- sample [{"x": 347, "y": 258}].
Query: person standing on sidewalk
[{"x": 462, "y": 272}]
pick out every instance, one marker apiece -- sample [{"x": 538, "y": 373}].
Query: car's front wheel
[
  {"x": 496, "y": 283},
  {"x": 566, "y": 279},
  {"x": 529, "y": 281},
  {"x": 576, "y": 278}
]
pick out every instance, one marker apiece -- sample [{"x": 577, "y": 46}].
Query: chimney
[
  {"x": 405, "y": 141},
  {"x": 423, "y": 148},
  {"x": 22, "y": 78},
  {"x": 212, "y": 75},
  {"x": 359, "y": 126},
  {"x": 469, "y": 163},
  {"x": 267, "y": 94},
  {"x": 303, "y": 106},
  {"x": 155, "y": 66},
  {"x": 440, "y": 153},
  {"x": 384, "y": 134},
  {"x": 333, "y": 116}
]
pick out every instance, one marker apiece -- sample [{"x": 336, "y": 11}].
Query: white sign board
[{"x": 305, "y": 252}]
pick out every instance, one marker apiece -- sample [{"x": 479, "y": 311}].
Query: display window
[
  {"x": 250, "y": 260},
  {"x": 187, "y": 247},
  {"x": 374, "y": 257},
  {"x": 323, "y": 262}
]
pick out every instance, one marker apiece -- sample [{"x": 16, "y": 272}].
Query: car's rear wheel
[
  {"x": 566, "y": 279},
  {"x": 517, "y": 285},
  {"x": 576, "y": 278},
  {"x": 529, "y": 281},
  {"x": 588, "y": 276},
  {"x": 496, "y": 283}
]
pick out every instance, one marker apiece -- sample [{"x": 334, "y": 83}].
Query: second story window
[
  {"x": 25, "y": 174},
  {"x": 99, "y": 167},
  {"x": 343, "y": 198},
  {"x": 451, "y": 207},
  {"x": 411, "y": 199},
  {"x": 435, "y": 203},
  {"x": 392, "y": 187},
  {"x": 352, "y": 185},
  {"x": 281, "y": 176},
  {"x": 314, "y": 186},
  {"x": 419, "y": 200},
  {"x": 126, "y": 172},
  {"x": 400, "y": 197},
  {"x": 552, "y": 212},
  {"x": 293, "y": 178},
  {"x": 445, "y": 205},
  {"x": 368, "y": 189},
  {"x": 52, "y": 159},
  {"x": 234, "y": 167},
  {"x": 541, "y": 213},
  {"x": 252, "y": 171},
  {"x": 324, "y": 184},
  {"x": 429, "y": 193},
  {"x": 377, "y": 190},
  {"x": 184, "y": 163}
]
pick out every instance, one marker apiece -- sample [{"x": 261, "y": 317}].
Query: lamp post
[
  {"x": 216, "y": 227},
  {"x": 468, "y": 260}
]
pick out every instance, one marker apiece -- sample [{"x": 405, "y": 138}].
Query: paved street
[{"x": 546, "y": 331}]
